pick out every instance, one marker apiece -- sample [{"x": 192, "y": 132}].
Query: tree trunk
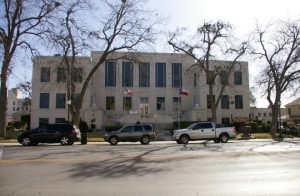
[
  {"x": 3, "y": 100},
  {"x": 274, "y": 120}
]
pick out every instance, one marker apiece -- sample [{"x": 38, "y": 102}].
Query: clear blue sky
[{"x": 242, "y": 14}]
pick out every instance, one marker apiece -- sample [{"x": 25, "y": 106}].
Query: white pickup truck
[{"x": 203, "y": 131}]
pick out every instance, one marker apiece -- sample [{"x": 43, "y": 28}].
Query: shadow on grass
[{"x": 120, "y": 167}]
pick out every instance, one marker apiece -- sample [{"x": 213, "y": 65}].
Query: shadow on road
[{"x": 120, "y": 167}]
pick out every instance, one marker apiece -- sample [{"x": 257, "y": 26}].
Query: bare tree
[
  {"x": 20, "y": 20},
  {"x": 278, "y": 47},
  {"x": 26, "y": 89},
  {"x": 125, "y": 27},
  {"x": 210, "y": 41}
]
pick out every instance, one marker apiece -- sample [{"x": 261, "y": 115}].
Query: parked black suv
[
  {"x": 62, "y": 133},
  {"x": 131, "y": 133}
]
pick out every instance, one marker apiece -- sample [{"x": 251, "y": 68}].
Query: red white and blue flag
[
  {"x": 127, "y": 91},
  {"x": 183, "y": 92}
]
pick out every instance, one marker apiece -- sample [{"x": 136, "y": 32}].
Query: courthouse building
[{"x": 141, "y": 87}]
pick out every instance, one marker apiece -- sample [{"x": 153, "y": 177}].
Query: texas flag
[
  {"x": 183, "y": 92},
  {"x": 127, "y": 91}
]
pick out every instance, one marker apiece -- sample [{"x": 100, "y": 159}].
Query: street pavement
[{"x": 254, "y": 167}]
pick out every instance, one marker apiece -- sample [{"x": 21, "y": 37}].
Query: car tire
[
  {"x": 224, "y": 138},
  {"x": 217, "y": 140},
  {"x": 64, "y": 140},
  {"x": 113, "y": 140},
  {"x": 184, "y": 139},
  {"x": 26, "y": 141},
  {"x": 145, "y": 140},
  {"x": 178, "y": 141}
]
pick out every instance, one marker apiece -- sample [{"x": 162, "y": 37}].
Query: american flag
[
  {"x": 183, "y": 92},
  {"x": 127, "y": 91}
]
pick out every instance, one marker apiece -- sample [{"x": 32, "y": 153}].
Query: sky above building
[{"x": 243, "y": 15}]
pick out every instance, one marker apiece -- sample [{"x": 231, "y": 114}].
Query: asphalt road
[{"x": 161, "y": 168}]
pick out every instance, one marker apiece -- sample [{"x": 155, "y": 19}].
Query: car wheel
[
  {"x": 184, "y": 139},
  {"x": 70, "y": 143},
  {"x": 64, "y": 140},
  {"x": 224, "y": 138},
  {"x": 178, "y": 141},
  {"x": 113, "y": 140},
  {"x": 145, "y": 140},
  {"x": 217, "y": 140},
  {"x": 26, "y": 141}
]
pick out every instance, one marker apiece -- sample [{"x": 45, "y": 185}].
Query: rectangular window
[
  {"x": 225, "y": 102},
  {"x": 60, "y": 74},
  {"x": 60, "y": 120},
  {"x": 225, "y": 121},
  {"x": 77, "y": 74},
  {"x": 44, "y": 100},
  {"x": 60, "y": 100},
  {"x": 238, "y": 102},
  {"x": 210, "y": 100},
  {"x": 127, "y": 103},
  {"x": 110, "y": 103},
  {"x": 144, "y": 75},
  {"x": 176, "y": 75},
  {"x": 176, "y": 103},
  {"x": 160, "y": 104},
  {"x": 45, "y": 74},
  {"x": 237, "y": 78},
  {"x": 160, "y": 74},
  {"x": 43, "y": 121},
  {"x": 144, "y": 100},
  {"x": 224, "y": 78},
  {"x": 110, "y": 73},
  {"x": 210, "y": 77},
  {"x": 127, "y": 74}
]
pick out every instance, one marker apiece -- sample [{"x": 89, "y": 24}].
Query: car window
[
  {"x": 148, "y": 127},
  {"x": 202, "y": 126},
  {"x": 127, "y": 129},
  {"x": 138, "y": 128},
  {"x": 41, "y": 129}
]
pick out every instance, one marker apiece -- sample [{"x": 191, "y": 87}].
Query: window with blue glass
[
  {"x": 60, "y": 100},
  {"x": 110, "y": 73},
  {"x": 44, "y": 100},
  {"x": 160, "y": 74},
  {"x": 225, "y": 102},
  {"x": 238, "y": 78},
  {"x": 45, "y": 74},
  {"x": 127, "y": 74},
  {"x": 176, "y": 75},
  {"x": 144, "y": 75},
  {"x": 238, "y": 102}
]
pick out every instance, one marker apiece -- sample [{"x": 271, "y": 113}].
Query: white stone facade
[{"x": 144, "y": 100}]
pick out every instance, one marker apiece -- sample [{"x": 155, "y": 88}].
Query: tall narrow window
[
  {"x": 60, "y": 74},
  {"x": 210, "y": 77},
  {"x": 210, "y": 101},
  {"x": 110, "y": 73},
  {"x": 44, "y": 100},
  {"x": 45, "y": 74},
  {"x": 60, "y": 100},
  {"x": 110, "y": 103},
  {"x": 127, "y": 74},
  {"x": 176, "y": 103},
  {"x": 176, "y": 75},
  {"x": 224, "y": 78},
  {"x": 237, "y": 78},
  {"x": 225, "y": 102},
  {"x": 238, "y": 102},
  {"x": 160, "y": 104},
  {"x": 77, "y": 71},
  {"x": 195, "y": 79},
  {"x": 144, "y": 75},
  {"x": 160, "y": 74},
  {"x": 127, "y": 103}
]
